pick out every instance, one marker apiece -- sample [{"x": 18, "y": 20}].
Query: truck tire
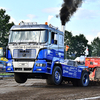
[
  {"x": 56, "y": 77},
  {"x": 84, "y": 81},
  {"x": 20, "y": 78},
  {"x": 49, "y": 80}
]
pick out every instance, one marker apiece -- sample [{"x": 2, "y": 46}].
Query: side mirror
[{"x": 55, "y": 38}]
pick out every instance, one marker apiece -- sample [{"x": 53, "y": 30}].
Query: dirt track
[{"x": 36, "y": 89}]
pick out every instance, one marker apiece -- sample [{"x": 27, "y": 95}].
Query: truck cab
[{"x": 33, "y": 47}]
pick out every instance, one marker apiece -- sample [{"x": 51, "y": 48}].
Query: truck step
[
  {"x": 48, "y": 68},
  {"x": 49, "y": 63}
]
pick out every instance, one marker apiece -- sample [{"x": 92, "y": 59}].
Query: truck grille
[
  {"x": 23, "y": 69},
  {"x": 28, "y": 53}
]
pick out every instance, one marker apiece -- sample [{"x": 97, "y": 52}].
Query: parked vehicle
[{"x": 2, "y": 59}]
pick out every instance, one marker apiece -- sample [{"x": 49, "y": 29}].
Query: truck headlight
[
  {"x": 40, "y": 64},
  {"x": 8, "y": 64},
  {"x": 8, "y": 69}
]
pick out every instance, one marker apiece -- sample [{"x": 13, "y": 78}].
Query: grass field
[{"x": 6, "y": 74}]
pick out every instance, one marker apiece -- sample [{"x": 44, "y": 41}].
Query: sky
[{"x": 86, "y": 20}]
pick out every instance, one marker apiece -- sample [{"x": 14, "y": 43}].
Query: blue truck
[{"x": 37, "y": 51}]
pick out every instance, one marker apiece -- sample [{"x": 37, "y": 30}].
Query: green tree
[
  {"x": 67, "y": 38},
  {"x": 67, "y": 41},
  {"x": 96, "y": 47},
  {"x": 4, "y": 27},
  {"x": 77, "y": 45},
  {"x": 90, "y": 50}
]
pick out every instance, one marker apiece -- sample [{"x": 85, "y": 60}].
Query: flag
[
  {"x": 67, "y": 47},
  {"x": 86, "y": 51}
]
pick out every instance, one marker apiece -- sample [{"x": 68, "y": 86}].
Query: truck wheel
[
  {"x": 49, "y": 80},
  {"x": 56, "y": 77},
  {"x": 20, "y": 78},
  {"x": 84, "y": 81}
]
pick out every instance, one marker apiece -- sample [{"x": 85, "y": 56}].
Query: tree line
[{"x": 77, "y": 44}]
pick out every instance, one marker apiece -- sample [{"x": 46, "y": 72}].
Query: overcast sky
[{"x": 85, "y": 21}]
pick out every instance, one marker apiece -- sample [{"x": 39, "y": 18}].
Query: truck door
[
  {"x": 53, "y": 46},
  {"x": 61, "y": 45}
]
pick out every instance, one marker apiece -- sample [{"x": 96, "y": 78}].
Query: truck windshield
[{"x": 37, "y": 36}]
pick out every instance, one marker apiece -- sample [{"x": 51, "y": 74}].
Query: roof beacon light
[{"x": 46, "y": 23}]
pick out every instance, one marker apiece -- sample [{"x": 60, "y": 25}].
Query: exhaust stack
[{"x": 63, "y": 28}]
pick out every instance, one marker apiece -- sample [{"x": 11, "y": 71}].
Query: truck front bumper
[{"x": 39, "y": 66}]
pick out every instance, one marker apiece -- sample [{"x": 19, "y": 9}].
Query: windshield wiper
[
  {"x": 13, "y": 43},
  {"x": 32, "y": 43},
  {"x": 23, "y": 43}
]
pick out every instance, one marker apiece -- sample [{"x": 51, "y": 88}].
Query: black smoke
[{"x": 68, "y": 9}]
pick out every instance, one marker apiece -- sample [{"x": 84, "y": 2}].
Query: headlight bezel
[
  {"x": 8, "y": 64},
  {"x": 40, "y": 65}
]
